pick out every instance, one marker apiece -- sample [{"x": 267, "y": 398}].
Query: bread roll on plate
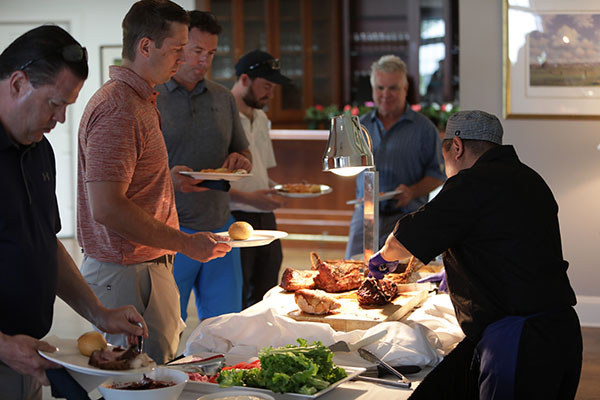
[
  {"x": 90, "y": 342},
  {"x": 240, "y": 230}
]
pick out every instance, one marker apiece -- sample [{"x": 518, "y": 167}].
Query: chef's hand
[
  {"x": 402, "y": 199},
  {"x": 264, "y": 199},
  {"x": 20, "y": 352},
  {"x": 237, "y": 161},
  {"x": 379, "y": 266},
  {"x": 124, "y": 319},
  {"x": 185, "y": 183},
  {"x": 203, "y": 246},
  {"x": 439, "y": 277}
]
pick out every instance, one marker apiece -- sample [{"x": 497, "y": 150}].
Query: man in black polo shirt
[
  {"x": 495, "y": 221},
  {"x": 41, "y": 73}
]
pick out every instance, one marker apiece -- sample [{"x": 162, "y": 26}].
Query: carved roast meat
[
  {"x": 119, "y": 359},
  {"x": 337, "y": 275},
  {"x": 316, "y": 301},
  {"x": 329, "y": 275},
  {"x": 376, "y": 292},
  {"x": 293, "y": 279}
]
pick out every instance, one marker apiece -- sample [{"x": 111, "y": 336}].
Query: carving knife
[{"x": 367, "y": 355}]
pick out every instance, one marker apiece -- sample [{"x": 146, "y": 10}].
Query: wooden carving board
[{"x": 352, "y": 316}]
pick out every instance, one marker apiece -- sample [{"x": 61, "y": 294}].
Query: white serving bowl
[
  {"x": 241, "y": 394},
  {"x": 160, "y": 374}
]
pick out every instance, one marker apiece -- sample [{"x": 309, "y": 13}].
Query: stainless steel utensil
[
  {"x": 140, "y": 344},
  {"x": 207, "y": 366},
  {"x": 345, "y": 346},
  {"x": 382, "y": 381},
  {"x": 367, "y": 355},
  {"x": 377, "y": 371}
]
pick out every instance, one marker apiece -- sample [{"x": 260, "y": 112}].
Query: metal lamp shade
[
  {"x": 347, "y": 146},
  {"x": 347, "y": 154}
]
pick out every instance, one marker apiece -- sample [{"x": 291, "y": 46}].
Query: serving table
[
  {"x": 349, "y": 390},
  {"x": 436, "y": 316}
]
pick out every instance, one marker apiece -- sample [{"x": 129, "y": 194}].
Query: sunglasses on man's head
[
  {"x": 70, "y": 53},
  {"x": 273, "y": 63}
]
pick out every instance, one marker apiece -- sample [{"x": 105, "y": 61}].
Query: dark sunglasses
[
  {"x": 70, "y": 53},
  {"x": 272, "y": 63}
]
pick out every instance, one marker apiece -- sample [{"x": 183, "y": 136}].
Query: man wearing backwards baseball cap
[
  {"x": 252, "y": 199},
  {"x": 260, "y": 64},
  {"x": 495, "y": 221}
]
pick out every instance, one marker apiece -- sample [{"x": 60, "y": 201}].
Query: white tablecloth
[
  {"x": 349, "y": 390},
  {"x": 422, "y": 338}
]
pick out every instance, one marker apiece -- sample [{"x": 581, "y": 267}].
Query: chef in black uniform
[{"x": 495, "y": 221}]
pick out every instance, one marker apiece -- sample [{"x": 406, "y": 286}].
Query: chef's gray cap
[{"x": 476, "y": 125}]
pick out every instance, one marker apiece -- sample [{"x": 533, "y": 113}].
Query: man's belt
[{"x": 164, "y": 259}]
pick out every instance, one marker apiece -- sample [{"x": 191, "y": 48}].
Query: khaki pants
[
  {"x": 14, "y": 386},
  {"x": 151, "y": 289}
]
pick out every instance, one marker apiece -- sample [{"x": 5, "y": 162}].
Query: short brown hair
[
  {"x": 204, "y": 22},
  {"x": 151, "y": 19}
]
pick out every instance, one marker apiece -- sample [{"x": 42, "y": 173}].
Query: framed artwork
[
  {"x": 109, "y": 55},
  {"x": 551, "y": 59}
]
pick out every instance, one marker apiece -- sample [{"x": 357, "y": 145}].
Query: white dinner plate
[
  {"x": 258, "y": 238},
  {"x": 324, "y": 190},
  {"x": 68, "y": 356},
  {"x": 382, "y": 197},
  {"x": 207, "y": 387},
  {"x": 235, "y": 394},
  {"x": 215, "y": 176}
]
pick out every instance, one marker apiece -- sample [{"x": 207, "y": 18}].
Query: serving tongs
[
  {"x": 195, "y": 364},
  {"x": 367, "y": 355}
]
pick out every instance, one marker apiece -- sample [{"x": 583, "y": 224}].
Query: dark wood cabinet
[
  {"x": 421, "y": 32},
  {"x": 304, "y": 35},
  {"x": 327, "y": 47}
]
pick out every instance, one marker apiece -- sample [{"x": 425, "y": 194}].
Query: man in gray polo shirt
[{"x": 202, "y": 129}]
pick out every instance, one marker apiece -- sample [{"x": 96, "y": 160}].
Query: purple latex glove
[
  {"x": 379, "y": 266},
  {"x": 439, "y": 277}
]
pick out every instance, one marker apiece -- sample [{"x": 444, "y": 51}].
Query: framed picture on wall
[
  {"x": 551, "y": 59},
  {"x": 109, "y": 55}
]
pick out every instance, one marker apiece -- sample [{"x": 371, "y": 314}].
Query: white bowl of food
[
  {"x": 237, "y": 395},
  {"x": 160, "y": 384}
]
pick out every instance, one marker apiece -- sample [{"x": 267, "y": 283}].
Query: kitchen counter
[{"x": 299, "y": 134}]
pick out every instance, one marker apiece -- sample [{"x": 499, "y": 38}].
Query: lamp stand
[{"x": 371, "y": 214}]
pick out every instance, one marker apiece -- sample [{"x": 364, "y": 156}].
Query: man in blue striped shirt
[{"x": 406, "y": 149}]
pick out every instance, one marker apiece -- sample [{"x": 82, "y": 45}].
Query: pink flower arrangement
[{"x": 320, "y": 115}]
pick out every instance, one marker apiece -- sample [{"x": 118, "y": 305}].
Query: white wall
[
  {"x": 564, "y": 152},
  {"x": 93, "y": 23}
]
